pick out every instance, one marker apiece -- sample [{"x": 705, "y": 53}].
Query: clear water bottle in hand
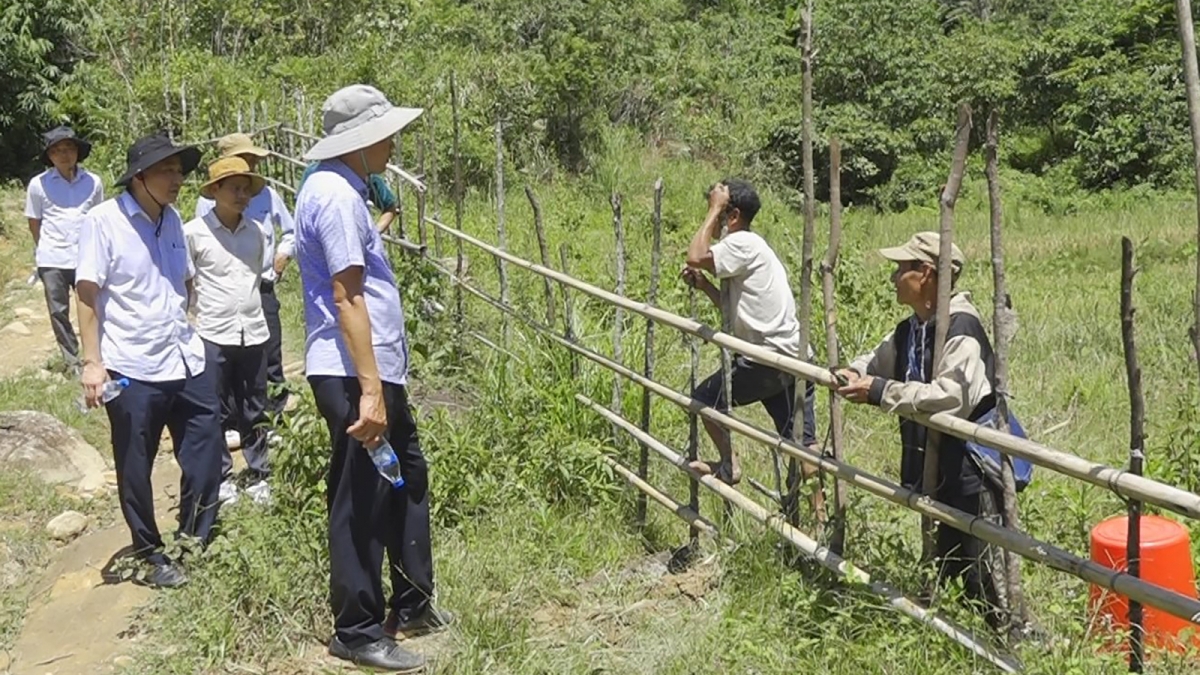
[
  {"x": 108, "y": 392},
  {"x": 386, "y": 463}
]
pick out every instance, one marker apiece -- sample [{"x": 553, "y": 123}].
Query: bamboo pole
[
  {"x": 1156, "y": 596},
  {"x": 648, "y": 366},
  {"x": 806, "y": 545},
  {"x": 568, "y": 309},
  {"x": 619, "y": 317},
  {"x": 1003, "y": 328},
  {"x": 828, "y": 276},
  {"x": 1137, "y": 438},
  {"x": 1117, "y": 480},
  {"x": 683, "y": 511},
  {"x": 458, "y": 203},
  {"x": 501, "y": 234},
  {"x": 543, "y": 250},
  {"x": 958, "y": 166},
  {"x": 791, "y": 505},
  {"x": 1191, "y": 80}
]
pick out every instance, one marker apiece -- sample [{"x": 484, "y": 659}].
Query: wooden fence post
[
  {"x": 958, "y": 167},
  {"x": 828, "y": 276},
  {"x": 501, "y": 233},
  {"x": 693, "y": 447},
  {"x": 458, "y": 206},
  {"x": 568, "y": 309},
  {"x": 1137, "y": 418},
  {"x": 433, "y": 180},
  {"x": 790, "y": 504},
  {"x": 1003, "y": 328},
  {"x": 648, "y": 370},
  {"x": 1191, "y": 80},
  {"x": 619, "y": 316},
  {"x": 543, "y": 250},
  {"x": 421, "y": 196}
]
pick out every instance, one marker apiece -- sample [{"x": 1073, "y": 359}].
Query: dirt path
[{"x": 26, "y": 334}]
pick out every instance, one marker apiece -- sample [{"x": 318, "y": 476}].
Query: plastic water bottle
[
  {"x": 386, "y": 463},
  {"x": 108, "y": 392}
]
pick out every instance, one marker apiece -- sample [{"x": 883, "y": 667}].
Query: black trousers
[
  {"x": 242, "y": 387},
  {"x": 189, "y": 410},
  {"x": 775, "y": 389},
  {"x": 976, "y": 562},
  {"x": 367, "y": 516},
  {"x": 278, "y": 394},
  {"x": 57, "y": 285}
]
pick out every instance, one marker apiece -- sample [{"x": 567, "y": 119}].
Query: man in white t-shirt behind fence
[{"x": 764, "y": 314}]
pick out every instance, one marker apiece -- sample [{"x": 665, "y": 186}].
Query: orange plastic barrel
[{"x": 1166, "y": 561}]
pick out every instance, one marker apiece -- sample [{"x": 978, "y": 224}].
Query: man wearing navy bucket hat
[
  {"x": 357, "y": 364},
  {"x": 56, "y": 204},
  {"x": 898, "y": 375},
  {"x": 134, "y": 279}
]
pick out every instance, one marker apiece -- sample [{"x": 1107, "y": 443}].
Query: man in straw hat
[
  {"x": 357, "y": 365},
  {"x": 134, "y": 278},
  {"x": 55, "y": 205},
  {"x": 226, "y": 248},
  {"x": 898, "y": 375},
  {"x": 267, "y": 209}
]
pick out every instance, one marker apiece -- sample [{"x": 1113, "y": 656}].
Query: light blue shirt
[
  {"x": 267, "y": 209},
  {"x": 334, "y": 232},
  {"x": 61, "y": 205},
  {"x": 142, "y": 304}
]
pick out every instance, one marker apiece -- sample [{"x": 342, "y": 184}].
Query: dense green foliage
[{"x": 1090, "y": 93}]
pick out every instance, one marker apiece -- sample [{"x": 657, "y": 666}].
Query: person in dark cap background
[
  {"x": 133, "y": 282},
  {"x": 55, "y": 205}
]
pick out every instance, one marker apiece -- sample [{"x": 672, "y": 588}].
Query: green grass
[{"x": 533, "y": 544}]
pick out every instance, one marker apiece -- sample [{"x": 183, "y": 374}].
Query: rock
[
  {"x": 37, "y": 442},
  {"x": 67, "y": 525},
  {"x": 5, "y": 662},
  {"x": 92, "y": 484},
  {"x": 17, "y": 328},
  {"x": 10, "y": 573},
  {"x": 23, "y": 312},
  {"x": 123, "y": 661},
  {"x": 110, "y": 478}
]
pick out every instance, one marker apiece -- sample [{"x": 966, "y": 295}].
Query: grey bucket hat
[{"x": 356, "y": 117}]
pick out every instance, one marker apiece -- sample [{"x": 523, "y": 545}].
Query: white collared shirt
[
  {"x": 227, "y": 264},
  {"x": 142, "y": 305},
  {"x": 268, "y": 210},
  {"x": 61, "y": 205}
]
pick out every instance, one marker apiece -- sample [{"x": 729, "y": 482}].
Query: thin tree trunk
[
  {"x": 962, "y": 139},
  {"x": 433, "y": 180},
  {"x": 1191, "y": 79},
  {"x": 543, "y": 250},
  {"x": 1003, "y": 329},
  {"x": 422, "y": 196},
  {"x": 651, "y": 299},
  {"x": 1137, "y": 437},
  {"x": 837, "y": 538}
]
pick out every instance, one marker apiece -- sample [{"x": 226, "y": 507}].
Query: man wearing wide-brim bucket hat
[
  {"x": 226, "y": 248},
  {"x": 357, "y": 365},
  {"x": 56, "y": 203},
  {"x": 133, "y": 282}
]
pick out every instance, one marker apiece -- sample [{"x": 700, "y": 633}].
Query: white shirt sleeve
[
  {"x": 94, "y": 255},
  {"x": 287, "y": 240},
  {"x": 98, "y": 193},
  {"x": 34, "y": 198},
  {"x": 732, "y": 256}
]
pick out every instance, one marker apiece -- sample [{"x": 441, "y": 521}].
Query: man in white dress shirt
[
  {"x": 133, "y": 283},
  {"x": 226, "y": 248},
  {"x": 56, "y": 203},
  {"x": 267, "y": 209}
]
